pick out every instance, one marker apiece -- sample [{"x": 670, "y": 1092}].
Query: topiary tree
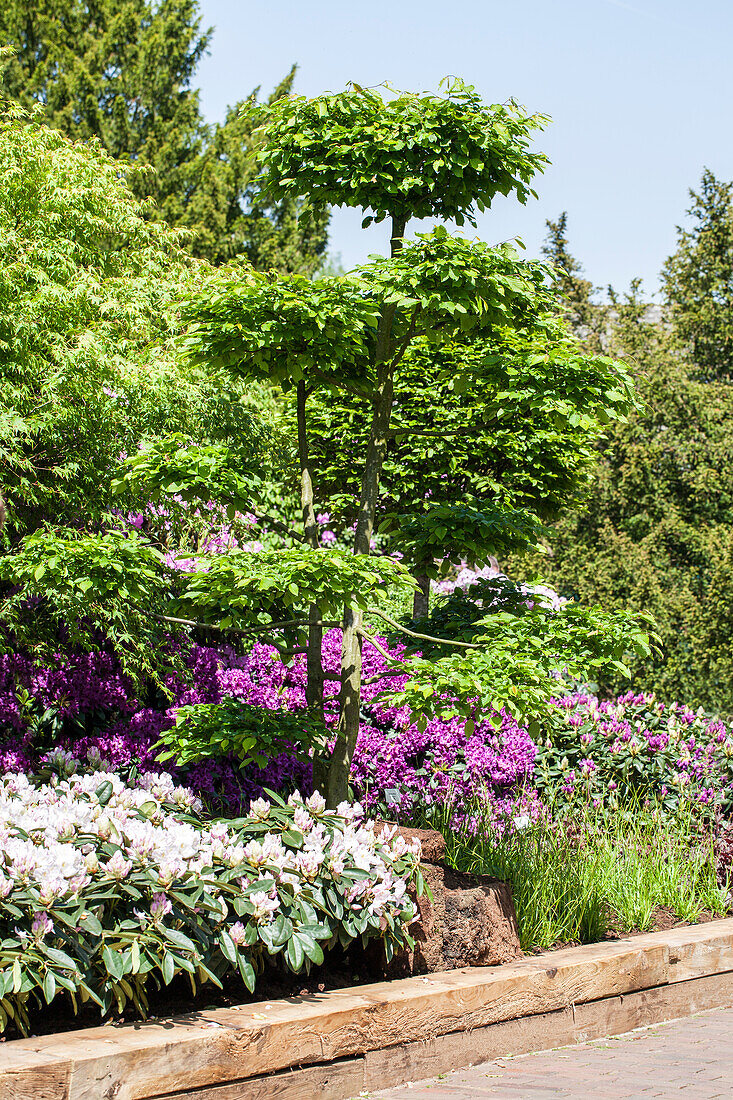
[{"x": 399, "y": 157}]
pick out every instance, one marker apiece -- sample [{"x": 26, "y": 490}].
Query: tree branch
[
  {"x": 281, "y": 528},
  {"x": 262, "y": 629},
  {"x": 379, "y": 648},
  {"x": 341, "y": 385},
  {"x": 406, "y": 340},
  {"x": 451, "y": 431},
  {"x": 382, "y": 676},
  {"x": 421, "y": 637}
]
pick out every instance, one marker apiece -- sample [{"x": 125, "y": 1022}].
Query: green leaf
[
  {"x": 49, "y": 987},
  {"x": 167, "y": 967},
  {"x": 178, "y": 938},
  {"x": 228, "y": 948},
  {"x": 113, "y": 962},
  {"x": 247, "y": 971}
]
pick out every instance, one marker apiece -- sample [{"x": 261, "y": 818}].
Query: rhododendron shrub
[
  {"x": 635, "y": 749},
  {"x": 88, "y": 706},
  {"x": 398, "y": 769},
  {"x": 626, "y": 749},
  {"x": 107, "y": 888}
]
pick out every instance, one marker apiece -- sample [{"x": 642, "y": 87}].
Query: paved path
[{"x": 688, "y": 1059}]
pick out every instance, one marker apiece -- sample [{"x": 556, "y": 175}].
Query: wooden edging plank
[
  {"x": 204, "y": 1052},
  {"x": 390, "y": 1066}
]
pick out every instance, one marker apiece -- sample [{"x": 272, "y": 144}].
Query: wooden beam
[
  {"x": 210, "y": 1050},
  {"x": 392, "y": 1066}
]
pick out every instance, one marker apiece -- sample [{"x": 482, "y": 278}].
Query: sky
[{"x": 640, "y": 94}]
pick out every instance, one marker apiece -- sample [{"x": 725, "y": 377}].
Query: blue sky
[{"x": 640, "y": 94}]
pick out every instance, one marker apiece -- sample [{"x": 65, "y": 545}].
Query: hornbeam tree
[
  {"x": 474, "y": 464},
  {"x": 400, "y": 157}
]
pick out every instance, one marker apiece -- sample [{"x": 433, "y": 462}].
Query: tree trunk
[
  {"x": 351, "y": 663},
  {"x": 314, "y": 655},
  {"x": 421, "y": 599}
]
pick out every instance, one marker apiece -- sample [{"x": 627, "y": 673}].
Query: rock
[
  {"x": 479, "y": 923},
  {"x": 470, "y": 921},
  {"x": 427, "y": 930}
]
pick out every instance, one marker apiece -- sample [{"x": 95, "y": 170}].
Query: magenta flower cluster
[
  {"x": 636, "y": 747},
  {"x": 628, "y": 747},
  {"x": 397, "y": 767}
]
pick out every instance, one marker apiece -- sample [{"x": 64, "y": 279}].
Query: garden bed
[{"x": 335, "y": 1044}]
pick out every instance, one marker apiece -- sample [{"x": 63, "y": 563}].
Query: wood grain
[
  {"x": 335, "y": 1082},
  {"x": 227, "y": 1046},
  {"x": 416, "y": 1061},
  {"x": 565, "y": 1027},
  {"x": 694, "y": 952}
]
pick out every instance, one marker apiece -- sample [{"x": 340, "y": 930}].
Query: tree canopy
[
  {"x": 698, "y": 279},
  {"x": 351, "y": 336},
  {"x": 86, "y": 366},
  {"x": 654, "y": 531}
]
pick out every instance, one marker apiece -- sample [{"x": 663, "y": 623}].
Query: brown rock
[
  {"x": 480, "y": 923},
  {"x": 432, "y": 842},
  {"x": 468, "y": 921}
]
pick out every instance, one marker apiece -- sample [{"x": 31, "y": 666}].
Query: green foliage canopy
[
  {"x": 119, "y": 71},
  {"x": 72, "y": 591},
  {"x": 408, "y": 155},
  {"x": 85, "y": 283},
  {"x": 698, "y": 279},
  {"x": 122, "y": 72}
]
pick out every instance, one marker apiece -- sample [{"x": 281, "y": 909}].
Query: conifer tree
[
  {"x": 586, "y": 316},
  {"x": 117, "y": 70},
  {"x": 230, "y": 213},
  {"x": 698, "y": 279},
  {"x": 654, "y": 534},
  {"x": 122, "y": 71}
]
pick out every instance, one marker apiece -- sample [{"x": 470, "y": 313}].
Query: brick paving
[{"x": 688, "y": 1059}]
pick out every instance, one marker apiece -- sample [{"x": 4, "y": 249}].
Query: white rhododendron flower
[
  {"x": 259, "y": 808},
  {"x": 92, "y": 862},
  {"x": 316, "y": 803}
]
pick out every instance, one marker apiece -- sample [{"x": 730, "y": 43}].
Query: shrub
[
  {"x": 635, "y": 749},
  {"x": 630, "y": 749},
  {"x": 107, "y": 888}
]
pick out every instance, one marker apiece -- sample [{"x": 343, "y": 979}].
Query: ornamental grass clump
[
  {"x": 108, "y": 888},
  {"x": 596, "y": 874}
]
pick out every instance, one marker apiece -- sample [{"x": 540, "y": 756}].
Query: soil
[{"x": 343, "y": 971}]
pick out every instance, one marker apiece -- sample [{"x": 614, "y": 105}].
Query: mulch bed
[
  {"x": 663, "y": 919},
  {"x": 342, "y": 971}
]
